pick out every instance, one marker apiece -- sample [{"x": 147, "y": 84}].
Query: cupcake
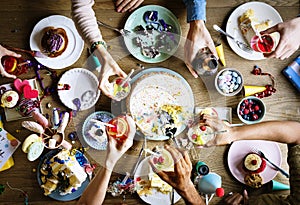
[
  {"x": 9, "y": 99},
  {"x": 54, "y": 41},
  {"x": 254, "y": 163}
]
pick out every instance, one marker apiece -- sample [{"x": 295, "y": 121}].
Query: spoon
[
  {"x": 123, "y": 32},
  {"x": 240, "y": 44}
]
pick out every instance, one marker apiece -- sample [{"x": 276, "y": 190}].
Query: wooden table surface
[{"x": 17, "y": 19}]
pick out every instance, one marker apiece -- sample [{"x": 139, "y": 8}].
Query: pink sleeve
[{"x": 85, "y": 20}]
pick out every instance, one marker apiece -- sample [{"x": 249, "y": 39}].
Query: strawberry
[
  {"x": 160, "y": 160},
  {"x": 119, "y": 81}
]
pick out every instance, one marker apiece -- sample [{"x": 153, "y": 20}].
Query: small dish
[
  {"x": 251, "y": 110},
  {"x": 229, "y": 82},
  {"x": 90, "y": 130}
]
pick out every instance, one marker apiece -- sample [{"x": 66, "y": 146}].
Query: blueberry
[{"x": 72, "y": 136}]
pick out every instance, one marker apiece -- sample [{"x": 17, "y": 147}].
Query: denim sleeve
[{"x": 196, "y": 9}]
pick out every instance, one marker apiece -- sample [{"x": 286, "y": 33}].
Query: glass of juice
[
  {"x": 118, "y": 128},
  {"x": 120, "y": 89},
  {"x": 15, "y": 66},
  {"x": 263, "y": 44}
]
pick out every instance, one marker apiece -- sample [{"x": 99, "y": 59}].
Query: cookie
[{"x": 253, "y": 180}]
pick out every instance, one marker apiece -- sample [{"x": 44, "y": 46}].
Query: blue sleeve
[{"x": 196, "y": 9}]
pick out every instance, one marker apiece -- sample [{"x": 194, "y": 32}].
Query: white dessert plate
[
  {"x": 92, "y": 142},
  {"x": 74, "y": 47},
  {"x": 83, "y": 87},
  {"x": 136, "y": 19},
  {"x": 143, "y": 170},
  {"x": 55, "y": 194},
  {"x": 239, "y": 149},
  {"x": 152, "y": 88},
  {"x": 262, "y": 12}
]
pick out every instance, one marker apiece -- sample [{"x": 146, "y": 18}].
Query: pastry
[
  {"x": 9, "y": 99},
  {"x": 54, "y": 41},
  {"x": 249, "y": 25},
  {"x": 254, "y": 163},
  {"x": 253, "y": 180},
  {"x": 26, "y": 106}
]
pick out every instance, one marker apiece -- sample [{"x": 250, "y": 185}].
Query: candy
[
  {"x": 33, "y": 126},
  {"x": 41, "y": 119}
]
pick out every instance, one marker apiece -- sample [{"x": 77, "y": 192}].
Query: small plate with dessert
[
  {"x": 150, "y": 187},
  {"x": 56, "y": 36},
  {"x": 248, "y": 167},
  {"x": 244, "y": 23}
]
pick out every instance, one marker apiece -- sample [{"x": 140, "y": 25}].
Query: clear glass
[
  {"x": 119, "y": 128},
  {"x": 15, "y": 66},
  {"x": 120, "y": 89}
]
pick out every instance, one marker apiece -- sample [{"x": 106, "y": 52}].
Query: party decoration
[
  {"x": 8, "y": 145},
  {"x": 28, "y": 92},
  {"x": 19, "y": 84}
]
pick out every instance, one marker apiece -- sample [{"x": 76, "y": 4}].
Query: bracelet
[{"x": 95, "y": 44}]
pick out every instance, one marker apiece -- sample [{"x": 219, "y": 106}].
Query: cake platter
[
  {"x": 152, "y": 89},
  {"x": 239, "y": 149},
  {"x": 56, "y": 194},
  {"x": 74, "y": 46},
  {"x": 262, "y": 12}
]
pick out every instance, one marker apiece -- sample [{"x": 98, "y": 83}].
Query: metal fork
[
  {"x": 274, "y": 165},
  {"x": 240, "y": 44},
  {"x": 122, "y": 31}
]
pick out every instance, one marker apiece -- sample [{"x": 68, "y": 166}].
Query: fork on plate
[
  {"x": 240, "y": 44},
  {"x": 260, "y": 153}
]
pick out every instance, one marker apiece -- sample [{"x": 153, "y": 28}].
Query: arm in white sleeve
[{"x": 85, "y": 20}]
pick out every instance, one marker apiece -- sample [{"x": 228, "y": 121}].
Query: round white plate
[
  {"x": 83, "y": 86},
  {"x": 136, "y": 18},
  {"x": 74, "y": 47},
  {"x": 157, "y": 197},
  {"x": 154, "y": 87},
  {"x": 239, "y": 149},
  {"x": 262, "y": 12}
]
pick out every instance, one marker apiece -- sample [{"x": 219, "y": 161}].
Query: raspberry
[
  {"x": 246, "y": 111},
  {"x": 253, "y": 162},
  {"x": 194, "y": 136},
  {"x": 202, "y": 127}
]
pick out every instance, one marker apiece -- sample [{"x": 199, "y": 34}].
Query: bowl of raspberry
[{"x": 251, "y": 110}]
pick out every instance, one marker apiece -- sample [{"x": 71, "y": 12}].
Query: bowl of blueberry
[
  {"x": 229, "y": 82},
  {"x": 251, "y": 110}
]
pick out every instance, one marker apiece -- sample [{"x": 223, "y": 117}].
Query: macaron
[
  {"x": 35, "y": 150},
  {"x": 29, "y": 141}
]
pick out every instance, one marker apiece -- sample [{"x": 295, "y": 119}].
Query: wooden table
[{"x": 17, "y": 19}]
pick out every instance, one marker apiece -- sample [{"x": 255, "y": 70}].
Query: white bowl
[
  {"x": 229, "y": 82},
  {"x": 248, "y": 117}
]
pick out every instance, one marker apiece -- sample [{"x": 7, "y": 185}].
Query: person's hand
[
  {"x": 116, "y": 149},
  {"x": 198, "y": 37},
  {"x": 237, "y": 199},
  {"x": 289, "y": 38},
  {"x": 109, "y": 67},
  {"x": 224, "y": 137},
  {"x": 5, "y": 52},
  {"x": 127, "y": 5},
  {"x": 180, "y": 179}
]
